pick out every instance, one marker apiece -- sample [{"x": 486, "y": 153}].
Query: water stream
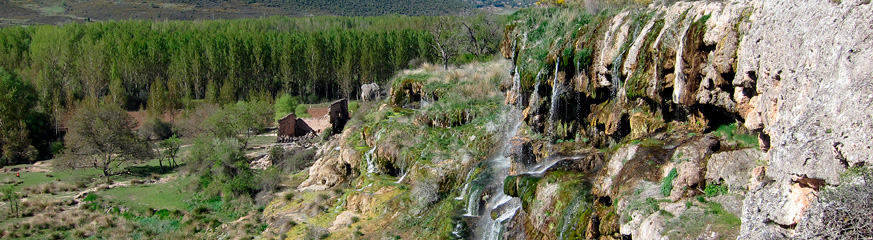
[
  {"x": 369, "y": 156},
  {"x": 516, "y": 86},
  {"x": 679, "y": 81},
  {"x": 553, "y": 108},
  {"x": 616, "y": 74},
  {"x": 496, "y": 202},
  {"x": 540, "y": 169}
]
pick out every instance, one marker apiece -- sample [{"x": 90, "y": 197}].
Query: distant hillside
[{"x": 31, "y": 12}]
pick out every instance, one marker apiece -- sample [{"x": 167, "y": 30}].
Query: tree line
[{"x": 174, "y": 64}]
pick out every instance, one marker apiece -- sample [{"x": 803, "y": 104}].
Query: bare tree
[
  {"x": 483, "y": 33},
  {"x": 447, "y": 38},
  {"x": 100, "y": 135}
]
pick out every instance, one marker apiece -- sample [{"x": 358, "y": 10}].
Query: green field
[{"x": 170, "y": 195}]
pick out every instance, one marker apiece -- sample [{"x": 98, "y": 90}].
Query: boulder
[
  {"x": 343, "y": 220},
  {"x": 691, "y": 157}
]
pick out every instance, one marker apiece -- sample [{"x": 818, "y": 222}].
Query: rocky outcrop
[
  {"x": 733, "y": 168},
  {"x": 691, "y": 158},
  {"x": 334, "y": 166},
  {"x": 631, "y": 97},
  {"x": 806, "y": 80},
  {"x": 794, "y": 73}
]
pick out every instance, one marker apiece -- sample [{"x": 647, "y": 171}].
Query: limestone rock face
[
  {"x": 333, "y": 166},
  {"x": 734, "y": 168},
  {"x": 804, "y": 67},
  {"x": 816, "y": 94},
  {"x": 612, "y": 168}
]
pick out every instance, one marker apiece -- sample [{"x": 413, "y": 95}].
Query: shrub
[
  {"x": 222, "y": 167},
  {"x": 326, "y": 133},
  {"x": 713, "y": 189},
  {"x": 270, "y": 179},
  {"x": 155, "y": 129},
  {"x": 841, "y": 212},
  {"x": 292, "y": 160},
  {"x": 57, "y": 147},
  {"x": 284, "y": 105},
  {"x": 734, "y": 133},
  {"x": 301, "y": 111}
]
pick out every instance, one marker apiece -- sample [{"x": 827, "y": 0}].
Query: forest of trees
[
  {"x": 169, "y": 65},
  {"x": 382, "y": 7}
]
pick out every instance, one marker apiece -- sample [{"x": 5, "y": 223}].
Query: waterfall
[
  {"x": 679, "y": 81},
  {"x": 570, "y": 213},
  {"x": 553, "y": 108},
  {"x": 369, "y": 155},
  {"x": 472, "y": 208},
  {"x": 496, "y": 201},
  {"x": 516, "y": 86},
  {"x": 540, "y": 169},
  {"x": 401, "y": 176},
  {"x": 466, "y": 186},
  {"x": 534, "y": 102},
  {"x": 616, "y": 74}
]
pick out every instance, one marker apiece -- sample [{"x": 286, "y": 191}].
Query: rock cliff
[{"x": 689, "y": 120}]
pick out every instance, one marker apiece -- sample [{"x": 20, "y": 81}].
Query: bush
[
  {"x": 270, "y": 179},
  {"x": 222, "y": 167},
  {"x": 284, "y": 105},
  {"x": 57, "y": 147},
  {"x": 301, "y": 111},
  {"x": 292, "y": 160},
  {"x": 841, "y": 212},
  {"x": 713, "y": 189},
  {"x": 155, "y": 129}
]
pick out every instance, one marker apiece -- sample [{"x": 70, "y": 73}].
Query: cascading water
[
  {"x": 403, "y": 176},
  {"x": 535, "y": 95},
  {"x": 466, "y": 186},
  {"x": 572, "y": 212},
  {"x": 616, "y": 74},
  {"x": 369, "y": 155},
  {"x": 540, "y": 169},
  {"x": 679, "y": 81},
  {"x": 497, "y": 202},
  {"x": 516, "y": 86},
  {"x": 556, "y": 93}
]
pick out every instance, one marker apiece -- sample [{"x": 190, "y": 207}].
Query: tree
[
  {"x": 117, "y": 92},
  {"x": 284, "y": 105},
  {"x": 446, "y": 38},
  {"x": 17, "y": 100},
  {"x": 241, "y": 121},
  {"x": 483, "y": 33},
  {"x": 100, "y": 135},
  {"x": 170, "y": 148},
  {"x": 157, "y": 103},
  {"x": 12, "y": 198},
  {"x": 222, "y": 161}
]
